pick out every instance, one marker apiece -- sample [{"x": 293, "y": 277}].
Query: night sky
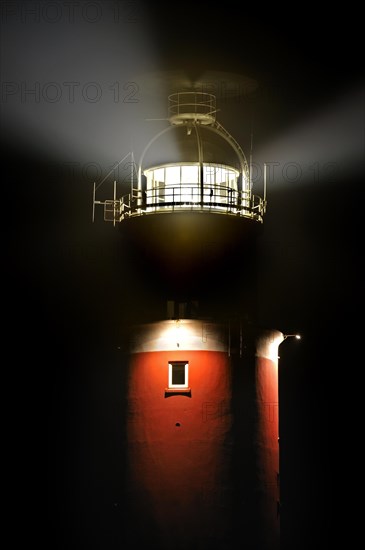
[{"x": 98, "y": 71}]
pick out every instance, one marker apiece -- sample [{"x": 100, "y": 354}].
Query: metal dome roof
[{"x": 183, "y": 143}]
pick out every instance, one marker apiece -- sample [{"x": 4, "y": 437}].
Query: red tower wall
[
  {"x": 267, "y": 442},
  {"x": 198, "y": 464}
]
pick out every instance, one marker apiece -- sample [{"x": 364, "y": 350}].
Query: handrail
[{"x": 186, "y": 197}]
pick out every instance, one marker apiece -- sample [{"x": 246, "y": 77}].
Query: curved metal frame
[{"x": 239, "y": 202}]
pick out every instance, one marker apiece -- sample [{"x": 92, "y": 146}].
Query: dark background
[{"x": 68, "y": 291}]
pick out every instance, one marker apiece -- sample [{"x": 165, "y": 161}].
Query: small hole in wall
[{"x": 177, "y": 424}]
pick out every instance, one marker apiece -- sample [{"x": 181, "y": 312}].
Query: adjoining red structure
[{"x": 202, "y": 399}]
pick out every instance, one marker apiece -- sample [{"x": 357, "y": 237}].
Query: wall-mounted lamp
[{"x": 285, "y": 336}]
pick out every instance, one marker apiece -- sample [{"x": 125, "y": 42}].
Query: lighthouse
[{"x": 201, "y": 420}]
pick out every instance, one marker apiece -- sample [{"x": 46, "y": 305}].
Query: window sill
[{"x": 177, "y": 391}]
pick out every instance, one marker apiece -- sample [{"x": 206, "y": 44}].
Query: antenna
[
  {"x": 114, "y": 199},
  {"x": 93, "y": 216},
  {"x": 251, "y": 149},
  {"x": 112, "y": 169},
  {"x": 95, "y": 187},
  {"x": 132, "y": 171}
]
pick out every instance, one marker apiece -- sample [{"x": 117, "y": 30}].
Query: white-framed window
[{"x": 178, "y": 374}]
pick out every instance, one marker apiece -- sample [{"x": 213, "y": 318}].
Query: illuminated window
[{"x": 178, "y": 374}]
